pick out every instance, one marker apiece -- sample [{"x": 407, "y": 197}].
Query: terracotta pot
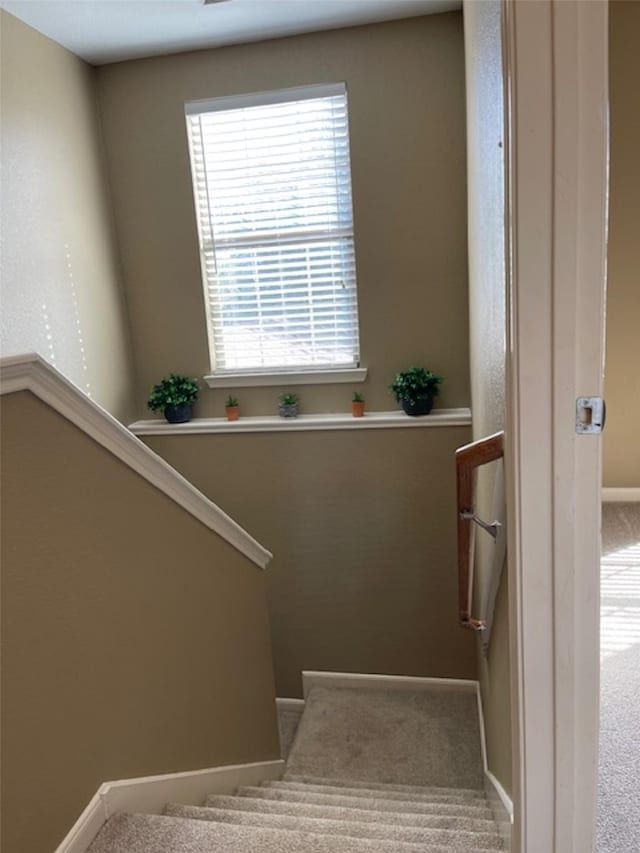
[
  {"x": 233, "y": 412},
  {"x": 357, "y": 409}
]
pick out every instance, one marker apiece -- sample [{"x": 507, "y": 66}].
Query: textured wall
[
  {"x": 406, "y": 99},
  {"x": 362, "y": 528},
  {"x": 622, "y": 377},
  {"x": 134, "y": 640},
  {"x": 487, "y": 294},
  {"x": 61, "y": 294}
]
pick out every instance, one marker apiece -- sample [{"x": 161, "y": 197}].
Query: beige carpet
[
  {"x": 619, "y": 789},
  {"x": 428, "y": 738},
  {"x": 288, "y": 720},
  {"x": 418, "y": 791},
  {"x": 139, "y": 833}
]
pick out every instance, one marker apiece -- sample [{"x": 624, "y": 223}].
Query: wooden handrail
[{"x": 468, "y": 458}]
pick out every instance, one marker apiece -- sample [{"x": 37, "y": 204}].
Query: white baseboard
[
  {"x": 85, "y": 829},
  {"x": 502, "y": 807},
  {"x": 388, "y": 682},
  {"x": 620, "y": 495},
  {"x": 150, "y": 794},
  {"x": 504, "y": 798},
  {"x": 500, "y": 801},
  {"x": 290, "y": 704}
]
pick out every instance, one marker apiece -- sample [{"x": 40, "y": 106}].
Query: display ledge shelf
[{"x": 306, "y": 423}]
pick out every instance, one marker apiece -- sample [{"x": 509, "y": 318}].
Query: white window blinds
[{"x": 272, "y": 184}]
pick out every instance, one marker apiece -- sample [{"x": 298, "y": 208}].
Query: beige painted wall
[
  {"x": 487, "y": 295},
  {"x": 60, "y": 276},
  {"x": 406, "y": 98},
  {"x": 362, "y": 526},
  {"x": 134, "y": 640},
  {"x": 622, "y": 377}
]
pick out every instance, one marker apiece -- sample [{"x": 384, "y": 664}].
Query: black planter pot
[
  {"x": 178, "y": 414},
  {"x": 422, "y": 406}
]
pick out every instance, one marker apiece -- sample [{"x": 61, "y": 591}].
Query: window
[{"x": 272, "y": 185}]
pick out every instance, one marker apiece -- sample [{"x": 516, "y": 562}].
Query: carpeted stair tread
[
  {"x": 429, "y": 795},
  {"x": 382, "y": 786},
  {"x": 410, "y": 737},
  {"x": 288, "y": 722},
  {"x": 479, "y": 808},
  {"x": 137, "y": 833},
  {"x": 456, "y": 819},
  {"x": 457, "y": 841}
]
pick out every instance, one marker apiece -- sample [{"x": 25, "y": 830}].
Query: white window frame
[{"x": 285, "y": 375}]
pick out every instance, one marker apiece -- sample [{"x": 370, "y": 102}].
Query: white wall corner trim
[
  {"x": 150, "y": 794},
  {"x": 612, "y": 494},
  {"x": 32, "y": 373}
]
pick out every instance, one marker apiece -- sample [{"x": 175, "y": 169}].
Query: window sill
[
  {"x": 305, "y": 423},
  {"x": 297, "y": 377}
]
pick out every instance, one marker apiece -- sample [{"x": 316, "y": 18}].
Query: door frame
[{"x": 556, "y": 78}]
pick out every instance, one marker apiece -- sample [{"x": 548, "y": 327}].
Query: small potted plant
[
  {"x": 175, "y": 396},
  {"x": 232, "y": 408},
  {"x": 415, "y": 389},
  {"x": 288, "y": 405},
  {"x": 357, "y": 405}
]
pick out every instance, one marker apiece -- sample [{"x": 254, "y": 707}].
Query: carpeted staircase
[{"x": 385, "y": 771}]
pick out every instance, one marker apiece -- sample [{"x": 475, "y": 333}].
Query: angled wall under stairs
[{"x": 135, "y": 639}]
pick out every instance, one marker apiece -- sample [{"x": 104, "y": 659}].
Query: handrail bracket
[{"x": 491, "y": 527}]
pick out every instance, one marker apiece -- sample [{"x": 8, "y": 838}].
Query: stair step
[
  {"x": 457, "y": 841},
  {"x": 427, "y": 737},
  {"x": 137, "y": 833},
  {"x": 450, "y": 820},
  {"x": 382, "y": 786},
  {"x": 428, "y": 795},
  {"x": 481, "y": 809}
]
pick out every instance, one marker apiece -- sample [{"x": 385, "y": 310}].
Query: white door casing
[{"x": 555, "y": 55}]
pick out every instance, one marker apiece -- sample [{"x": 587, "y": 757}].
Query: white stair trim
[
  {"x": 150, "y": 794},
  {"x": 305, "y": 423},
  {"x": 490, "y": 779},
  {"x": 32, "y": 373},
  {"x": 619, "y": 495},
  {"x": 85, "y": 829},
  {"x": 505, "y": 799},
  {"x": 311, "y": 678},
  {"x": 290, "y": 704}
]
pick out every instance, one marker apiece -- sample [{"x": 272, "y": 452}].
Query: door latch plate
[{"x": 590, "y": 415}]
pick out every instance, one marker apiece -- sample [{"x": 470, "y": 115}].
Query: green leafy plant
[
  {"x": 232, "y": 402},
  {"x": 415, "y": 384},
  {"x": 357, "y": 397},
  {"x": 288, "y": 399},
  {"x": 173, "y": 390}
]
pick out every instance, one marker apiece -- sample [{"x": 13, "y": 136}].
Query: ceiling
[{"x": 102, "y": 31}]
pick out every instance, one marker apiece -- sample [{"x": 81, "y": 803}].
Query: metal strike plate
[{"x": 590, "y": 415}]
